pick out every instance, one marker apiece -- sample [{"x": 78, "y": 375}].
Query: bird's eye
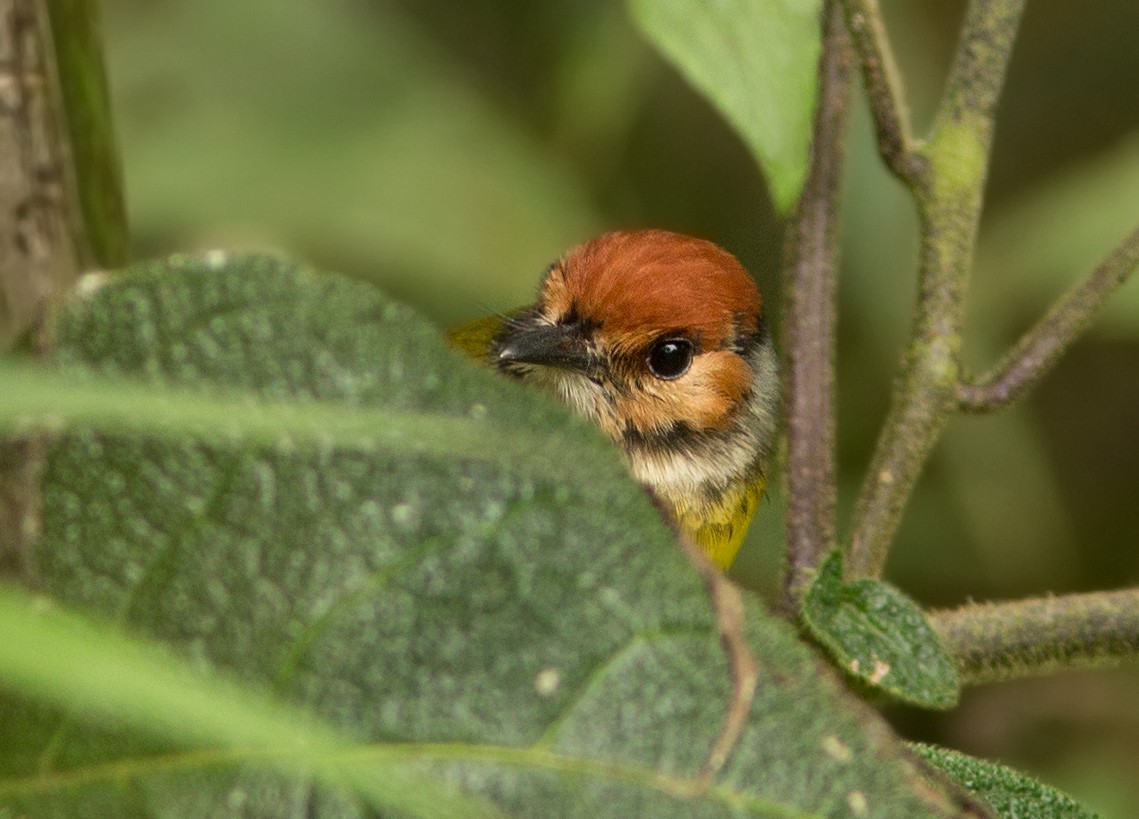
[{"x": 670, "y": 357}]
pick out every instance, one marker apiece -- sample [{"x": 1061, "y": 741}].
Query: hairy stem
[
  {"x": 1002, "y": 641},
  {"x": 949, "y": 196},
  {"x": 809, "y": 319},
  {"x": 883, "y": 88},
  {"x": 1038, "y": 350}
]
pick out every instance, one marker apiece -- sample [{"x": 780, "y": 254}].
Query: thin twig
[
  {"x": 883, "y": 89},
  {"x": 1038, "y": 350},
  {"x": 949, "y": 196},
  {"x": 1003, "y": 641},
  {"x": 809, "y": 319}
]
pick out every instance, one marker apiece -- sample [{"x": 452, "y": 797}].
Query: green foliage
[
  {"x": 757, "y": 61},
  {"x": 1012, "y": 795},
  {"x": 536, "y": 639},
  {"x": 879, "y": 637}
]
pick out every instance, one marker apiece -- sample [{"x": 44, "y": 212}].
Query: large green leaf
[
  {"x": 530, "y": 636},
  {"x": 104, "y": 674},
  {"x": 757, "y": 61}
]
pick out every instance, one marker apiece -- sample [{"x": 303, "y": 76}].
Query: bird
[{"x": 660, "y": 340}]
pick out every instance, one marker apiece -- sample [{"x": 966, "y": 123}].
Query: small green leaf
[
  {"x": 512, "y": 621},
  {"x": 757, "y": 61},
  {"x": 880, "y": 637},
  {"x": 1011, "y": 794}
]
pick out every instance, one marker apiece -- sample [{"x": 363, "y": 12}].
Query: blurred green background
[{"x": 449, "y": 151}]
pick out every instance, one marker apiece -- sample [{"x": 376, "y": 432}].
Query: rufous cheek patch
[
  {"x": 706, "y": 397},
  {"x": 711, "y": 391}
]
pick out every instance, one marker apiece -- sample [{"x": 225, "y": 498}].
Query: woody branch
[
  {"x": 948, "y": 194},
  {"x": 945, "y": 174},
  {"x": 809, "y": 320},
  {"x": 1000, "y": 641}
]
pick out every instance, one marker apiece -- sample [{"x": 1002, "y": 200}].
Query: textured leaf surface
[
  {"x": 880, "y": 637},
  {"x": 1011, "y": 794},
  {"x": 756, "y": 60},
  {"x": 110, "y": 675},
  {"x": 532, "y": 638}
]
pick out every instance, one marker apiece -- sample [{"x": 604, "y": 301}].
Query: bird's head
[{"x": 660, "y": 340}]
